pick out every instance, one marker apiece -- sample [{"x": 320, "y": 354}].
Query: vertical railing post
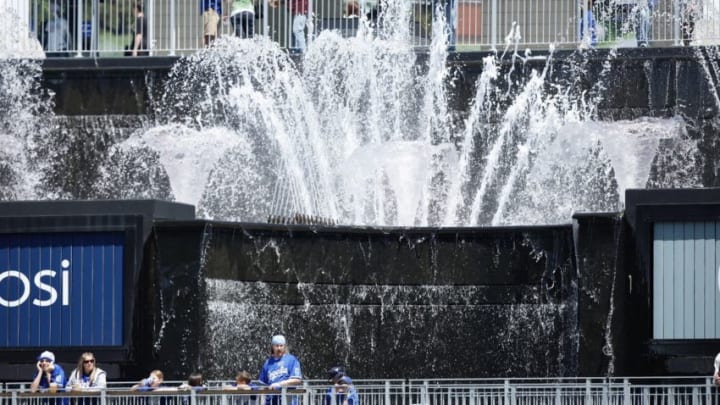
[
  {"x": 708, "y": 390},
  {"x": 265, "y": 19},
  {"x": 588, "y": 392},
  {"x": 645, "y": 396},
  {"x": 283, "y": 396},
  {"x": 558, "y": 396},
  {"x": 494, "y": 25},
  {"x": 35, "y": 29},
  {"x": 14, "y": 398},
  {"x": 103, "y": 397},
  {"x": 671, "y": 396},
  {"x": 425, "y": 393},
  {"x": 78, "y": 27},
  {"x": 94, "y": 31},
  {"x": 605, "y": 395},
  {"x": 387, "y": 393},
  {"x": 173, "y": 29},
  {"x": 310, "y": 23},
  {"x": 193, "y": 397},
  {"x": 506, "y": 384},
  {"x": 627, "y": 397},
  {"x": 677, "y": 23}
]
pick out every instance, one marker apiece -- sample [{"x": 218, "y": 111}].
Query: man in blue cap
[
  {"x": 281, "y": 369},
  {"x": 50, "y": 377},
  {"x": 342, "y": 392}
]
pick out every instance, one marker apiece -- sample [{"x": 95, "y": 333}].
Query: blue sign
[{"x": 61, "y": 289}]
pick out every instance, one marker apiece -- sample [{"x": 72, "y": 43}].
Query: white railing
[
  {"x": 104, "y": 28},
  {"x": 619, "y": 391},
  {"x": 175, "y": 27}
]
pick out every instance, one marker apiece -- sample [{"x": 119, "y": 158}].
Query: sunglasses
[{"x": 89, "y": 361}]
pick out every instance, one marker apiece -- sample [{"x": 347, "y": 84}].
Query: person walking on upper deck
[
  {"x": 242, "y": 17},
  {"x": 299, "y": 9},
  {"x": 57, "y": 33},
  {"x": 281, "y": 369},
  {"x": 716, "y": 365},
  {"x": 211, "y": 11},
  {"x": 139, "y": 43},
  {"x": 644, "y": 11}
]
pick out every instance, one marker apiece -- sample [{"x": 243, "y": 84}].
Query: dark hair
[
  {"x": 244, "y": 376},
  {"x": 138, "y": 7},
  {"x": 195, "y": 380}
]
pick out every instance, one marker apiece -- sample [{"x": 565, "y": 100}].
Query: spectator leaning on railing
[
  {"x": 50, "y": 377},
  {"x": 342, "y": 389},
  {"x": 152, "y": 382},
  {"x": 87, "y": 376},
  {"x": 281, "y": 369}
]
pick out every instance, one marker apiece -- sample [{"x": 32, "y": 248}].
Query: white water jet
[
  {"x": 360, "y": 132},
  {"x": 16, "y": 41}
]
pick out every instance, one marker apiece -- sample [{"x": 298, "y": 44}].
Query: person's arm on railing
[
  {"x": 290, "y": 382},
  {"x": 36, "y": 382}
]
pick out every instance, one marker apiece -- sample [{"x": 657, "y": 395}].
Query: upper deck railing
[
  {"x": 620, "y": 391},
  {"x": 104, "y": 28}
]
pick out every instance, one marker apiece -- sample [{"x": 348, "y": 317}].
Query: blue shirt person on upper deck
[
  {"x": 50, "y": 377},
  {"x": 343, "y": 389},
  {"x": 281, "y": 369}
]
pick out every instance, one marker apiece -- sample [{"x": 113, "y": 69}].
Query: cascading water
[{"x": 360, "y": 132}]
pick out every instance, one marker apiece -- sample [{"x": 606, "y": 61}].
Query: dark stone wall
[
  {"x": 602, "y": 294},
  {"x": 488, "y": 302}
]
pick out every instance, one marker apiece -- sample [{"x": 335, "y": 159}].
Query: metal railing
[
  {"x": 625, "y": 391},
  {"x": 175, "y": 27}
]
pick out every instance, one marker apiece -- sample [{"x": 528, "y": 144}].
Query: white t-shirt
[{"x": 717, "y": 363}]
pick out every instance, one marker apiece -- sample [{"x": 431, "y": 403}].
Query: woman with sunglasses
[{"x": 87, "y": 376}]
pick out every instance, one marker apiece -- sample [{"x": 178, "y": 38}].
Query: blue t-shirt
[
  {"x": 206, "y": 4},
  {"x": 350, "y": 394},
  {"x": 277, "y": 370},
  {"x": 58, "y": 377}
]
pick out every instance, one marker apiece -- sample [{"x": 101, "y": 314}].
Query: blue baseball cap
[
  {"x": 335, "y": 373},
  {"x": 278, "y": 340}
]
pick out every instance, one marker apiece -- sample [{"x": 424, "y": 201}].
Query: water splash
[{"x": 360, "y": 130}]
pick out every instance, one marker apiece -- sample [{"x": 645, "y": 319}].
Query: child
[{"x": 154, "y": 380}]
